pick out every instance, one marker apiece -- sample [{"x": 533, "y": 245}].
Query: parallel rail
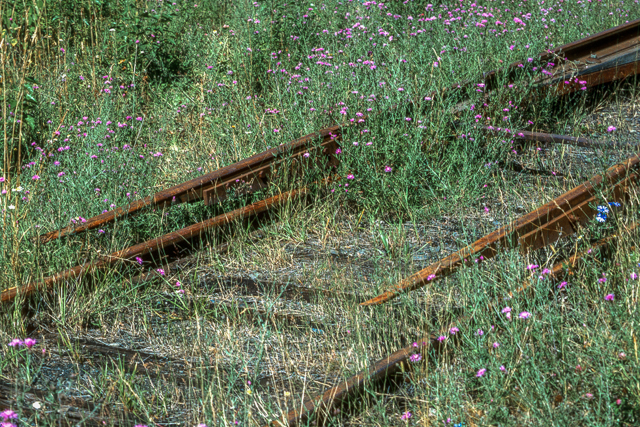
[
  {"x": 556, "y": 219},
  {"x": 251, "y": 174},
  {"x": 541, "y": 227}
]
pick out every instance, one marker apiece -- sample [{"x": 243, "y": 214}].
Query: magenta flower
[
  {"x": 161, "y": 271},
  {"x": 8, "y": 415},
  {"x": 503, "y": 369},
  {"x": 388, "y": 169},
  {"x": 609, "y": 297},
  {"x": 35, "y": 177},
  {"x": 139, "y": 260},
  {"x": 406, "y": 416},
  {"x": 506, "y": 310},
  {"x": 480, "y": 332},
  {"x": 350, "y": 176},
  {"x": 524, "y": 315},
  {"x": 611, "y": 128},
  {"x": 415, "y": 357},
  {"x": 453, "y": 330},
  {"x": 442, "y": 338},
  {"x": 30, "y": 342},
  {"x": 562, "y": 285},
  {"x": 1, "y": 178},
  {"x": 481, "y": 372},
  {"x": 633, "y": 276},
  {"x": 338, "y": 151},
  {"x": 532, "y": 266},
  {"x": 496, "y": 345},
  {"x": 16, "y": 343}
]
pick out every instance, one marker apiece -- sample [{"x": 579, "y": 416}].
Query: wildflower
[
  {"x": 496, "y": 344},
  {"x": 601, "y": 217},
  {"x": 442, "y": 338},
  {"x": 532, "y": 266},
  {"x": 633, "y": 276},
  {"x": 621, "y": 355},
  {"x": 306, "y": 155},
  {"x": 506, "y": 310},
  {"x": 480, "y": 332},
  {"x": 35, "y": 177},
  {"x": 502, "y": 368},
  {"x": 11, "y": 207},
  {"x": 8, "y": 415},
  {"x": 36, "y": 405},
  {"x": 603, "y": 209},
  {"x": 387, "y": 169},
  {"x": 615, "y": 204},
  {"x": 338, "y": 151},
  {"x": 415, "y": 357},
  {"x": 618, "y": 402},
  {"x": 611, "y": 128},
  {"x": 16, "y": 343},
  {"x": 350, "y": 176},
  {"x": 161, "y": 271},
  {"x": 524, "y": 315},
  {"x": 406, "y": 416},
  {"x": 481, "y": 372},
  {"x": 453, "y": 330},
  {"x": 562, "y": 285},
  {"x": 30, "y": 342},
  {"x": 139, "y": 260},
  {"x": 1, "y": 178},
  {"x": 609, "y": 297}
]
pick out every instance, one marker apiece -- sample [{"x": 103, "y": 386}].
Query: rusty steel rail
[
  {"x": 560, "y": 217},
  {"x": 249, "y": 175},
  {"x": 153, "y": 245},
  {"x": 601, "y": 58},
  {"x": 322, "y": 405},
  {"x": 551, "y": 138}
]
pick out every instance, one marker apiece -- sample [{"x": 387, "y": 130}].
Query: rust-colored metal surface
[
  {"x": 153, "y": 245},
  {"x": 247, "y": 175},
  {"x": 543, "y": 226},
  {"x": 601, "y": 58},
  {"x": 550, "y": 138},
  {"x": 321, "y": 406}
]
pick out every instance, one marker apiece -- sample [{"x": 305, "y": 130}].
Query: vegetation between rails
[{"x": 104, "y": 103}]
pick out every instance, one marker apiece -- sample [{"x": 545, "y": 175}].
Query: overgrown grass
[{"x": 104, "y": 104}]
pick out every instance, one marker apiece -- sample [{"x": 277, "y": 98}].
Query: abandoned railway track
[{"x": 602, "y": 58}]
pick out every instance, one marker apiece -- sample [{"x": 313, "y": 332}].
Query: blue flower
[
  {"x": 615, "y": 204},
  {"x": 601, "y": 217},
  {"x": 603, "y": 209}
]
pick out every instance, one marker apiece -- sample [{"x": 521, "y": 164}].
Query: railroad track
[{"x": 605, "y": 57}]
